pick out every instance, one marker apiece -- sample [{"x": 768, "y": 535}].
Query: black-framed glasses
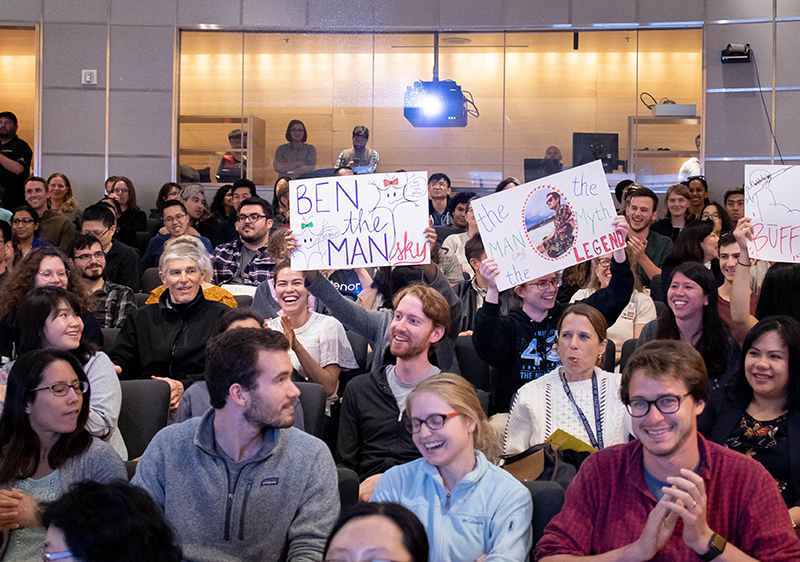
[
  {"x": 62, "y": 389},
  {"x": 100, "y": 234},
  {"x": 56, "y": 555},
  {"x": 434, "y": 421},
  {"x": 18, "y": 222},
  {"x": 667, "y": 404},
  {"x": 255, "y": 217},
  {"x": 85, "y": 257}
]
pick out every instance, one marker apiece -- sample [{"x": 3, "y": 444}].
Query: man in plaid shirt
[
  {"x": 245, "y": 261},
  {"x": 114, "y": 302}
]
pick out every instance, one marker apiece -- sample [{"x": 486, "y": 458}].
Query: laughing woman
[{"x": 470, "y": 508}]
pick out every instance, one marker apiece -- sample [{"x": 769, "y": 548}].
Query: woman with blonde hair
[
  {"x": 470, "y": 508},
  {"x": 59, "y": 191},
  {"x": 578, "y": 397},
  {"x": 678, "y": 201}
]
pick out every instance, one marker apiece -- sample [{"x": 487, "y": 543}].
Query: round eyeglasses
[{"x": 434, "y": 421}]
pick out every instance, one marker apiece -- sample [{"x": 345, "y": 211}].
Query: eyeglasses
[
  {"x": 434, "y": 421},
  {"x": 47, "y": 274},
  {"x": 255, "y": 217},
  {"x": 96, "y": 234},
  {"x": 56, "y": 555},
  {"x": 61, "y": 388},
  {"x": 297, "y": 130},
  {"x": 17, "y": 222},
  {"x": 667, "y": 404},
  {"x": 177, "y": 218},
  {"x": 604, "y": 262},
  {"x": 544, "y": 284},
  {"x": 85, "y": 257},
  {"x": 709, "y": 216},
  {"x": 120, "y": 190}
]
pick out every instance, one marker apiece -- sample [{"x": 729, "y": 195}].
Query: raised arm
[{"x": 741, "y": 318}]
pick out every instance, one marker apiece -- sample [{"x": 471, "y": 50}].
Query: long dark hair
[
  {"x": 415, "y": 539},
  {"x": 780, "y": 291},
  {"x": 713, "y": 341},
  {"x": 688, "y": 245},
  {"x": 788, "y": 329},
  {"x": 218, "y": 204},
  {"x": 19, "y": 443},
  {"x": 32, "y": 316}
]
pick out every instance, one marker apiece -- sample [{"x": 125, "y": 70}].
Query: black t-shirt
[
  {"x": 346, "y": 282},
  {"x": 17, "y": 150}
]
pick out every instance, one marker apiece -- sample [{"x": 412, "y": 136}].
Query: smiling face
[
  {"x": 182, "y": 278},
  {"x": 697, "y": 193},
  {"x": 766, "y": 366},
  {"x": 271, "y": 401},
  {"x": 62, "y": 329},
  {"x": 602, "y": 268},
  {"x": 57, "y": 190},
  {"x": 535, "y": 299},
  {"x": 411, "y": 331},
  {"x": 51, "y": 415},
  {"x": 290, "y": 291},
  {"x": 36, "y": 196},
  {"x": 369, "y": 538},
  {"x": 709, "y": 245},
  {"x": 686, "y": 298},
  {"x": 711, "y": 213},
  {"x": 677, "y": 205},
  {"x": 52, "y": 273},
  {"x": 639, "y": 213},
  {"x": 665, "y": 435},
  {"x": 451, "y": 445},
  {"x": 728, "y": 256},
  {"x": 176, "y": 220},
  {"x": 90, "y": 262},
  {"x": 23, "y": 226},
  {"x": 579, "y": 346}
]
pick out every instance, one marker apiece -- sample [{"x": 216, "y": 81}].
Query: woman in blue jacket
[{"x": 470, "y": 508}]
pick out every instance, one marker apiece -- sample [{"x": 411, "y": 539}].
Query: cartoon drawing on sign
[
  {"x": 759, "y": 192},
  {"x": 395, "y": 192},
  {"x": 314, "y": 241},
  {"x": 550, "y": 222}
]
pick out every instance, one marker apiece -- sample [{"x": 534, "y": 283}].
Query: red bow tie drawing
[{"x": 387, "y": 183}]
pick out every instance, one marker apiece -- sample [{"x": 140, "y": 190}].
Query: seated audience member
[
  {"x": 459, "y": 449},
  {"x": 176, "y": 221},
  {"x": 222, "y": 205},
  {"x": 697, "y": 243},
  {"x": 439, "y": 199},
  {"x": 123, "y": 265},
  {"x": 54, "y": 228},
  {"x": 169, "y": 338},
  {"x": 554, "y": 153},
  {"x": 691, "y": 166},
  {"x": 112, "y": 204},
  {"x": 45, "y": 266},
  {"x": 359, "y": 158},
  {"x": 195, "y": 401},
  {"x": 647, "y": 248},
  {"x": 25, "y": 225},
  {"x": 319, "y": 348},
  {"x": 698, "y": 192},
  {"x": 385, "y": 531},
  {"x": 623, "y": 191},
  {"x": 210, "y": 291},
  {"x": 233, "y": 164},
  {"x": 280, "y": 203},
  {"x": 200, "y": 216},
  {"x": 507, "y": 183},
  {"x": 371, "y": 438},
  {"x": 677, "y": 214},
  {"x": 472, "y": 292},
  {"x": 625, "y": 502},
  {"x": 46, "y": 447},
  {"x": 464, "y": 225},
  {"x": 692, "y": 318},
  {"x": 6, "y": 249},
  {"x": 132, "y": 219},
  {"x": 578, "y": 397},
  {"x": 519, "y": 344},
  {"x": 729, "y": 256},
  {"x": 168, "y": 192},
  {"x": 246, "y": 260},
  {"x": 344, "y": 171},
  {"x": 226, "y": 230},
  {"x": 640, "y": 309},
  {"x": 59, "y": 191},
  {"x": 113, "y": 522},
  {"x": 717, "y": 214},
  {"x": 49, "y": 318},
  {"x": 113, "y": 302},
  {"x": 734, "y": 203},
  {"x": 760, "y": 416},
  {"x": 296, "y": 157},
  {"x": 246, "y": 438}
]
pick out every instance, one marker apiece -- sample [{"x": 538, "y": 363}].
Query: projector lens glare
[{"x": 431, "y": 105}]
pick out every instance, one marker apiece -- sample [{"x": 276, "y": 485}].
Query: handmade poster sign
[
  {"x": 771, "y": 201},
  {"x": 548, "y": 224},
  {"x": 345, "y": 222}
]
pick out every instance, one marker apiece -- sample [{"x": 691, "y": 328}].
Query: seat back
[
  {"x": 472, "y": 367},
  {"x": 150, "y": 279},
  {"x": 109, "y": 337},
  {"x": 141, "y": 298},
  {"x": 144, "y": 412},
  {"x": 627, "y": 348},
  {"x": 656, "y": 292},
  {"x": 548, "y": 498},
  {"x": 610, "y": 357},
  {"x": 312, "y": 398},
  {"x": 348, "y": 486},
  {"x": 243, "y": 300}
]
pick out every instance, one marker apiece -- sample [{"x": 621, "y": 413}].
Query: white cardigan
[{"x": 541, "y": 406}]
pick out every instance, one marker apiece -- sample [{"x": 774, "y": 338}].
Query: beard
[
  {"x": 410, "y": 350},
  {"x": 93, "y": 275},
  {"x": 260, "y": 415}
]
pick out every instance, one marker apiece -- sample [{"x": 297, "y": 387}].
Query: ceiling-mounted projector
[{"x": 435, "y": 104}]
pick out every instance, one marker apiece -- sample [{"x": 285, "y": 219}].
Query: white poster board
[
  {"x": 772, "y": 201},
  {"x": 548, "y": 224},
  {"x": 345, "y": 222}
]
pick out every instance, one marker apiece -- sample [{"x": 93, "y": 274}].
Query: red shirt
[{"x": 608, "y": 502}]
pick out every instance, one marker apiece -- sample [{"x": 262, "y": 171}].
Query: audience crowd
[{"x": 421, "y": 402}]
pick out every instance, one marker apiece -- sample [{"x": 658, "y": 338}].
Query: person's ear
[
  {"x": 162, "y": 277},
  {"x": 437, "y": 334},
  {"x": 238, "y": 394}
]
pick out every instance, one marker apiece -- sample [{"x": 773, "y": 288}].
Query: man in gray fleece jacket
[{"x": 240, "y": 484}]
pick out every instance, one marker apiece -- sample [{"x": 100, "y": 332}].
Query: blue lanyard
[{"x": 598, "y": 442}]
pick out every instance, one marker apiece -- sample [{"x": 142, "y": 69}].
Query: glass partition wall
[{"x": 532, "y": 91}]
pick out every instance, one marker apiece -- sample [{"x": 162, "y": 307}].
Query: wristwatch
[{"x": 715, "y": 547}]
